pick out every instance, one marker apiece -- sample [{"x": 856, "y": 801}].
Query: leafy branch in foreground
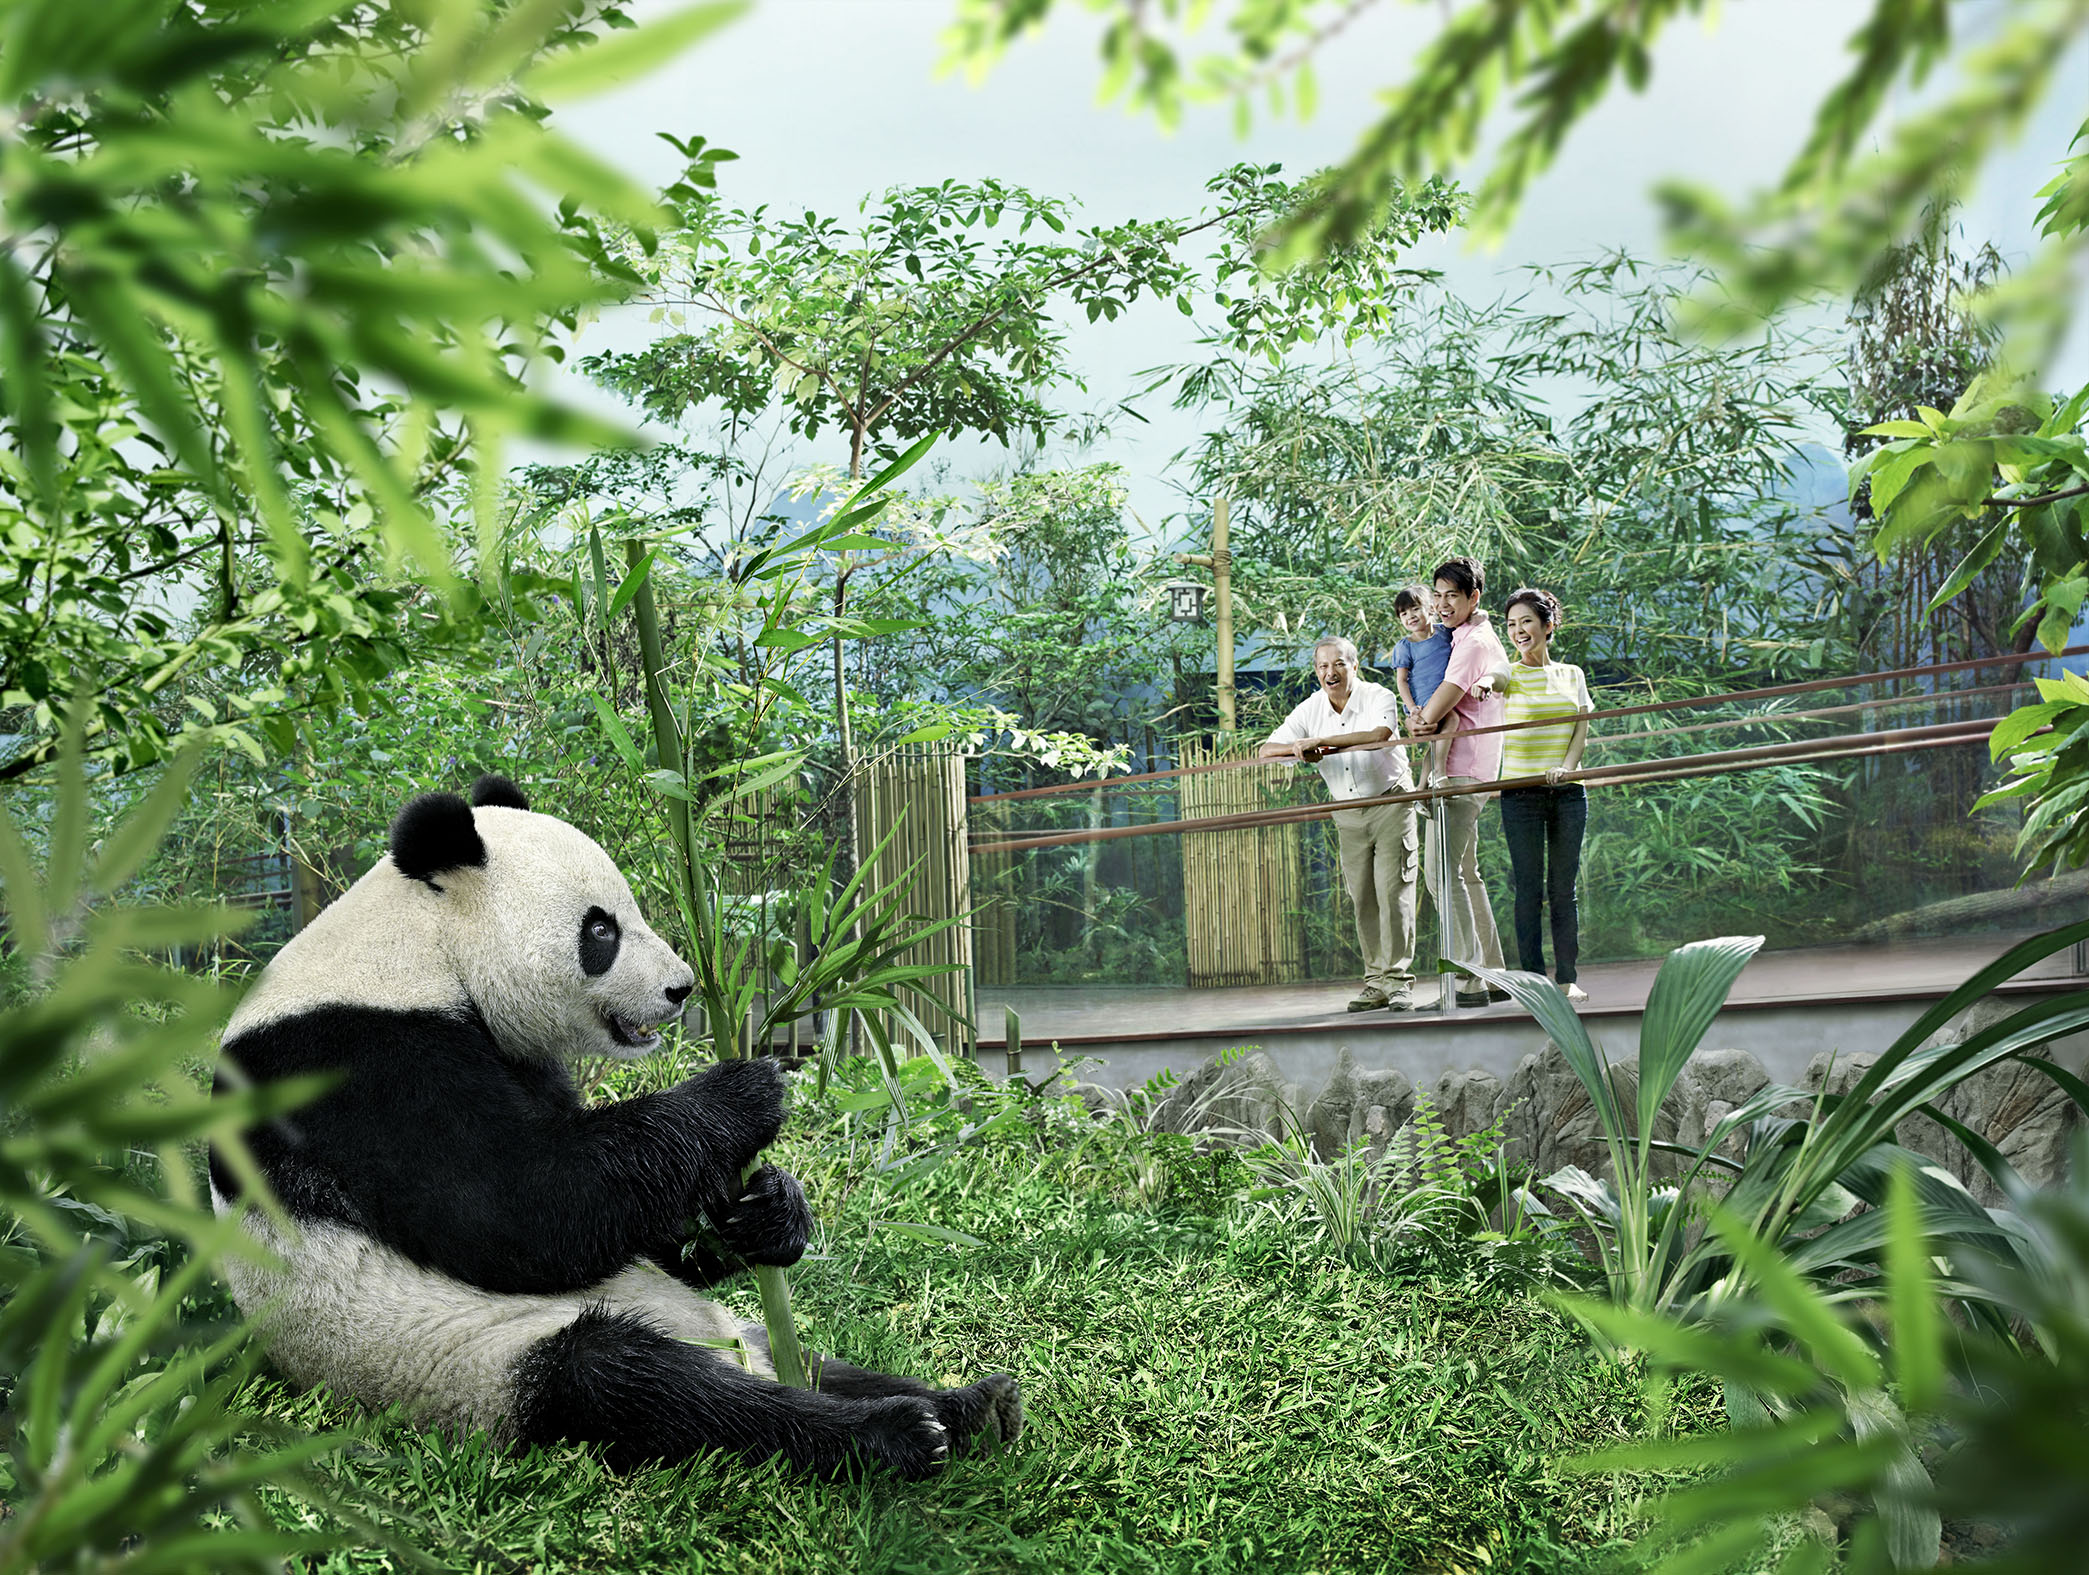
[
  {"x": 124, "y": 1435},
  {"x": 1838, "y": 208},
  {"x": 1799, "y": 1183},
  {"x": 273, "y": 275},
  {"x": 1849, "y": 1396}
]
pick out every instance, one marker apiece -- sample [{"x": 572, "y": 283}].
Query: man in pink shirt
[{"x": 1471, "y": 687}]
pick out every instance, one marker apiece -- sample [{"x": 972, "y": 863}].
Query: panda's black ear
[
  {"x": 435, "y": 833},
  {"x": 498, "y": 792}
]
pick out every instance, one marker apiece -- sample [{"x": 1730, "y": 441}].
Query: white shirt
[{"x": 1352, "y": 773}]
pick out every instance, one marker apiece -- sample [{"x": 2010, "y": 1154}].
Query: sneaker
[
  {"x": 1475, "y": 997},
  {"x": 1401, "y": 1000},
  {"x": 1369, "y": 999},
  {"x": 1574, "y": 992}
]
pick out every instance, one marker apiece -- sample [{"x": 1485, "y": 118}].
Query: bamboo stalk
[{"x": 785, "y": 1354}]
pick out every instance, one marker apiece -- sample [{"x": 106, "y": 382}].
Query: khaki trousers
[
  {"x": 1453, "y": 843},
  {"x": 1377, "y": 846}
]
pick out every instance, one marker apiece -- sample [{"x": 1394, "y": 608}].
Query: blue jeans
[{"x": 1543, "y": 826}]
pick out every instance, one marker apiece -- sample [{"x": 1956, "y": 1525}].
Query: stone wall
[{"x": 1548, "y": 1120}]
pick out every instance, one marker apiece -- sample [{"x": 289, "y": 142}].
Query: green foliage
[
  {"x": 1887, "y": 1402},
  {"x": 1799, "y": 1184},
  {"x": 1670, "y": 476},
  {"x": 1051, "y": 613},
  {"x": 937, "y": 311},
  {"x": 253, "y": 332},
  {"x": 1864, "y": 179},
  {"x": 125, "y": 1437},
  {"x": 1670, "y": 859}
]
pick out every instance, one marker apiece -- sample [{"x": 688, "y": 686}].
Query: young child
[{"x": 1419, "y": 662}]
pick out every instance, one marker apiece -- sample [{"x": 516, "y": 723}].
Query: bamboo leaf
[{"x": 613, "y": 725}]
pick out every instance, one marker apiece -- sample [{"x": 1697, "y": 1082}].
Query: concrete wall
[{"x": 1783, "y": 1037}]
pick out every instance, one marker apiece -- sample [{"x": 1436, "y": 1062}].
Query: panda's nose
[{"x": 679, "y": 993}]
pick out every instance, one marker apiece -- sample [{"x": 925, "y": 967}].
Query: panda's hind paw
[
  {"x": 904, "y": 1433},
  {"x": 987, "y": 1412}
]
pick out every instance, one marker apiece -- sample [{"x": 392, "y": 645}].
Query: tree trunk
[{"x": 845, "y": 821}]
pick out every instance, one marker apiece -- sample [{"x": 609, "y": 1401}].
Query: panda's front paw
[
  {"x": 743, "y": 1104},
  {"x": 770, "y": 1222},
  {"x": 905, "y": 1433}
]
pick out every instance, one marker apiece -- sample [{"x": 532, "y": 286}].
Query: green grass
[{"x": 1201, "y": 1396}]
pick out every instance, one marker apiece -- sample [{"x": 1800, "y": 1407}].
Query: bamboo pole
[{"x": 785, "y": 1354}]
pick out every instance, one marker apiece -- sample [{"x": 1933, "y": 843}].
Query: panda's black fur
[{"x": 472, "y": 1241}]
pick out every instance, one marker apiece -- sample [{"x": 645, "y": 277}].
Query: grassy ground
[{"x": 1203, "y": 1394}]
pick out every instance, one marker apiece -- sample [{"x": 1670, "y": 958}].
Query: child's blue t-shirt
[{"x": 1426, "y": 662}]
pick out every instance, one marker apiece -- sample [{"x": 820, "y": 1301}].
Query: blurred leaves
[
  {"x": 1867, "y": 177},
  {"x": 124, "y": 1435},
  {"x": 274, "y": 273}
]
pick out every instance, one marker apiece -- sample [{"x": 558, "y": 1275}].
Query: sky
[{"x": 827, "y": 101}]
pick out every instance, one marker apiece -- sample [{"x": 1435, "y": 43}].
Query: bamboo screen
[
  {"x": 916, "y": 793},
  {"x": 1243, "y": 892}
]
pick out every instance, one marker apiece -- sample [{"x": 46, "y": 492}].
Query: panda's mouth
[{"x": 630, "y": 1035}]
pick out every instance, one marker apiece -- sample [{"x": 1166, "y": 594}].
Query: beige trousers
[
  {"x": 1377, "y": 846},
  {"x": 1453, "y": 843}
]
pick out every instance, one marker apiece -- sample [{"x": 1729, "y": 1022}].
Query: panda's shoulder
[{"x": 414, "y": 1042}]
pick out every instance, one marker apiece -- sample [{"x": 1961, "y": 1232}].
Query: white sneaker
[{"x": 1574, "y": 993}]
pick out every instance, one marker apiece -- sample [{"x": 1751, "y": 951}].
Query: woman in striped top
[{"x": 1543, "y": 823}]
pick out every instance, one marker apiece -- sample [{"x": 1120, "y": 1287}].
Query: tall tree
[{"x": 940, "y": 311}]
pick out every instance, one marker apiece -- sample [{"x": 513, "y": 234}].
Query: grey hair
[{"x": 1340, "y": 642}]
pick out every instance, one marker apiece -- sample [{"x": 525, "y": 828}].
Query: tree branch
[{"x": 2042, "y": 498}]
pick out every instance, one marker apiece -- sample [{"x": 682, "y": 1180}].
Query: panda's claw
[
  {"x": 903, "y": 1432},
  {"x": 989, "y": 1411}
]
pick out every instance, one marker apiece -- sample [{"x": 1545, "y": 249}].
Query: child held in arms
[{"x": 1419, "y": 663}]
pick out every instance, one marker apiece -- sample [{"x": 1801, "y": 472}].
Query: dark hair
[
  {"x": 1543, "y": 603},
  {"x": 1465, "y": 573},
  {"x": 1409, "y": 596}
]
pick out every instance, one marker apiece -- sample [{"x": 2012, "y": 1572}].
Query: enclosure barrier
[
  {"x": 1249, "y": 889},
  {"x": 1669, "y": 769}
]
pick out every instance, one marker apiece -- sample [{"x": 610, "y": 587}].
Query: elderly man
[{"x": 1337, "y": 729}]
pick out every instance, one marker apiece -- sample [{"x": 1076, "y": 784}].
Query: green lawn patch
[{"x": 1201, "y": 1396}]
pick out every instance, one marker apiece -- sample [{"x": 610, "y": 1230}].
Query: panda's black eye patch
[{"x": 600, "y": 935}]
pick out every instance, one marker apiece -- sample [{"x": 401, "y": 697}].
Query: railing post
[{"x": 1447, "y": 976}]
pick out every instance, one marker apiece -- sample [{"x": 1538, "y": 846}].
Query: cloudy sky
[{"x": 826, "y": 101}]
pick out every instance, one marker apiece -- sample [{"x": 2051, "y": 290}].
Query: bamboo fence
[
  {"x": 916, "y": 794},
  {"x": 1243, "y": 892}
]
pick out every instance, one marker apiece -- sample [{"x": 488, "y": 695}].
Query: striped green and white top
[{"x": 1556, "y": 689}]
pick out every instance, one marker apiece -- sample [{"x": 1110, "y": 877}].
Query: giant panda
[{"x": 469, "y": 1241}]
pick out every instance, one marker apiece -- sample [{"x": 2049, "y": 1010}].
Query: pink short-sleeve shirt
[{"x": 1476, "y": 651}]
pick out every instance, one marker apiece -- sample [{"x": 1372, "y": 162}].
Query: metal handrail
[
  {"x": 1772, "y": 692},
  {"x": 1677, "y": 768}
]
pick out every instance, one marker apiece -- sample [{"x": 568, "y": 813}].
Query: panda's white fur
[
  {"x": 368, "y": 1322},
  {"x": 462, "y": 1238}
]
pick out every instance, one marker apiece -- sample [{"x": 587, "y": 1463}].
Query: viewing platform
[{"x": 1786, "y": 1008}]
